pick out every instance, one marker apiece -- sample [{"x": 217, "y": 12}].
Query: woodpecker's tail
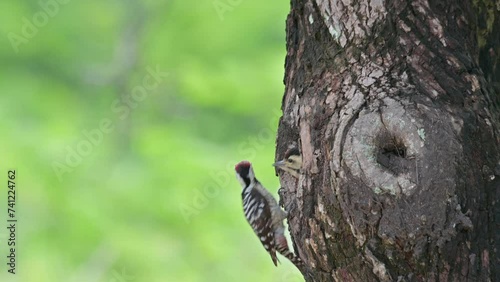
[
  {"x": 282, "y": 248},
  {"x": 274, "y": 257}
]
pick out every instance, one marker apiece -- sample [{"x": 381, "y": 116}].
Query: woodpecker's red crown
[{"x": 243, "y": 168}]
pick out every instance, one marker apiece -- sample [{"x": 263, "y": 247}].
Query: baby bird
[{"x": 292, "y": 163}]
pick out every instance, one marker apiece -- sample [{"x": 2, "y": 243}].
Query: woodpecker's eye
[{"x": 289, "y": 160}]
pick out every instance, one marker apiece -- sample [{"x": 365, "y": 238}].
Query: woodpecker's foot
[
  {"x": 290, "y": 207},
  {"x": 281, "y": 193}
]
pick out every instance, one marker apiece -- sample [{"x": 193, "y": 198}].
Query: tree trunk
[{"x": 394, "y": 105}]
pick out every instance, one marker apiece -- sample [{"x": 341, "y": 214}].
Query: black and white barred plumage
[{"x": 264, "y": 214}]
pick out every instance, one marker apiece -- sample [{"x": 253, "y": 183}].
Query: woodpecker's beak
[{"x": 279, "y": 163}]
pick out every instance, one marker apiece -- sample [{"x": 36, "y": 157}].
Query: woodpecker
[
  {"x": 264, "y": 215},
  {"x": 292, "y": 163}
]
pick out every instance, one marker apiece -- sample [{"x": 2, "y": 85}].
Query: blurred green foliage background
[{"x": 126, "y": 175}]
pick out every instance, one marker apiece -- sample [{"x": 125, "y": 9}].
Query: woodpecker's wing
[{"x": 258, "y": 214}]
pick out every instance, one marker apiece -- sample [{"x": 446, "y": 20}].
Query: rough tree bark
[{"x": 394, "y": 105}]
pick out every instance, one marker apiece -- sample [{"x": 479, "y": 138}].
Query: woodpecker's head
[
  {"x": 244, "y": 173},
  {"x": 292, "y": 163}
]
